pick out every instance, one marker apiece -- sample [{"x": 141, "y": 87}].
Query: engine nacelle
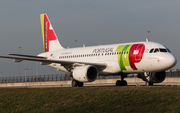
[
  {"x": 86, "y": 73},
  {"x": 155, "y": 77}
]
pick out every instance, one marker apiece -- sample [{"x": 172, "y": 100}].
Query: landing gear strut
[
  {"x": 148, "y": 79},
  {"x": 121, "y": 82},
  {"x": 76, "y": 83}
]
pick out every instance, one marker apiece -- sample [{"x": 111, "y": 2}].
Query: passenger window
[{"x": 151, "y": 51}]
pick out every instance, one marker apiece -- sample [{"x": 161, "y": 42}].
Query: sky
[{"x": 91, "y": 22}]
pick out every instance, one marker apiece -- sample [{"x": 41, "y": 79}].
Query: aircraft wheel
[
  {"x": 121, "y": 83},
  {"x": 150, "y": 84},
  {"x": 80, "y": 84},
  {"x": 75, "y": 83},
  {"x": 124, "y": 83},
  {"x": 118, "y": 83}
]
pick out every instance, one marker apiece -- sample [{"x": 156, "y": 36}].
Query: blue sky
[{"x": 93, "y": 22}]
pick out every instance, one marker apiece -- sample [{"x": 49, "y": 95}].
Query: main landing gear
[
  {"x": 121, "y": 82},
  {"x": 76, "y": 83}
]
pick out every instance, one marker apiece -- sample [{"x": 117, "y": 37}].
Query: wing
[
  {"x": 27, "y": 56},
  {"x": 44, "y": 60}
]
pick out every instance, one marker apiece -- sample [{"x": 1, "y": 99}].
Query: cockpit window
[
  {"x": 168, "y": 50},
  {"x": 156, "y": 50},
  {"x": 151, "y": 51},
  {"x": 159, "y": 50},
  {"x": 162, "y": 50}
]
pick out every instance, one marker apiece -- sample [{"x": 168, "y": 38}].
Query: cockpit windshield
[
  {"x": 155, "y": 50},
  {"x": 151, "y": 51},
  {"x": 168, "y": 50},
  {"x": 163, "y": 50}
]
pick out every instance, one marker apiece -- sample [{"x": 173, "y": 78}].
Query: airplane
[{"x": 148, "y": 59}]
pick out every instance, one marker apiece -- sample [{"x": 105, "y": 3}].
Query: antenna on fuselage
[
  {"x": 148, "y": 36},
  {"x": 75, "y": 42}
]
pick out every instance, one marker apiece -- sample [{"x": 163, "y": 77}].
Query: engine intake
[
  {"x": 155, "y": 77},
  {"x": 158, "y": 77},
  {"x": 86, "y": 73}
]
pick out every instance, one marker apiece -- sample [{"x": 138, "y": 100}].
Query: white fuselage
[{"x": 125, "y": 57}]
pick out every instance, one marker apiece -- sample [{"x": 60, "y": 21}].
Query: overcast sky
[{"x": 91, "y": 22}]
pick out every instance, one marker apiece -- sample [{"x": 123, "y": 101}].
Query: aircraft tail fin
[{"x": 50, "y": 40}]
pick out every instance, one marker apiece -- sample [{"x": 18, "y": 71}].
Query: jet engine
[
  {"x": 155, "y": 77},
  {"x": 86, "y": 73}
]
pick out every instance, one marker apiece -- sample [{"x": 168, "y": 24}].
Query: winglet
[{"x": 50, "y": 40}]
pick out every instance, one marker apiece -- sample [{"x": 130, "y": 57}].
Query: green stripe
[{"x": 122, "y": 60}]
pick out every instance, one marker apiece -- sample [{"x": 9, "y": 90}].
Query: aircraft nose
[{"x": 171, "y": 61}]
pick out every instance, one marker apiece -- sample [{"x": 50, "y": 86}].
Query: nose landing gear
[{"x": 76, "y": 83}]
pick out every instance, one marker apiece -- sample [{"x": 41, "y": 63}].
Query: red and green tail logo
[
  {"x": 129, "y": 55},
  {"x": 48, "y": 33}
]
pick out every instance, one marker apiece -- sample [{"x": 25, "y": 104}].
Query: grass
[{"x": 128, "y": 99}]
